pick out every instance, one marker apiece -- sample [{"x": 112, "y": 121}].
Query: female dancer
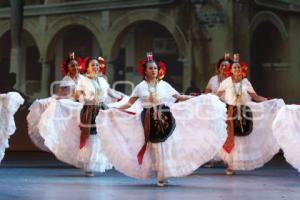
[
  {"x": 92, "y": 91},
  {"x": 222, "y": 69},
  {"x": 71, "y": 78},
  {"x": 68, "y": 127},
  {"x": 250, "y": 143},
  {"x": 165, "y": 139},
  {"x": 9, "y": 104},
  {"x": 214, "y": 83}
]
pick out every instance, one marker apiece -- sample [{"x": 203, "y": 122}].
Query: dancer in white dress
[
  {"x": 9, "y": 104},
  {"x": 165, "y": 139},
  {"x": 286, "y": 128},
  {"x": 68, "y": 126},
  {"x": 222, "y": 69},
  {"x": 250, "y": 143},
  {"x": 214, "y": 83},
  {"x": 70, "y": 69}
]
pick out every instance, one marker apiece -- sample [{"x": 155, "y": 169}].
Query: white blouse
[
  {"x": 213, "y": 84},
  {"x": 164, "y": 93},
  {"x": 95, "y": 90},
  {"x": 67, "y": 81},
  {"x": 230, "y": 90}
]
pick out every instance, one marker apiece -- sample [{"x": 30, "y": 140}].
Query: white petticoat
[
  {"x": 260, "y": 146},
  {"x": 59, "y": 127},
  {"x": 199, "y": 134},
  {"x": 9, "y": 104},
  {"x": 286, "y": 129},
  {"x": 36, "y": 110}
]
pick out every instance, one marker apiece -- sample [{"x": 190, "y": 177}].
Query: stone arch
[
  {"x": 162, "y": 19},
  {"x": 29, "y": 28},
  {"x": 158, "y": 17},
  {"x": 61, "y": 23},
  {"x": 268, "y": 16},
  {"x": 269, "y": 54},
  {"x": 4, "y": 28}
]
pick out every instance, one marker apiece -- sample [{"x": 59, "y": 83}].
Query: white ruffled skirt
[
  {"x": 253, "y": 151},
  {"x": 199, "y": 134},
  {"x": 36, "y": 110},
  {"x": 59, "y": 127},
  {"x": 9, "y": 104},
  {"x": 286, "y": 129}
]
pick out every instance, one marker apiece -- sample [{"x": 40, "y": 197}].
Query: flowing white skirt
[
  {"x": 286, "y": 129},
  {"x": 59, "y": 127},
  {"x": 260, "y": 146},
  {"x": 199, "y": 134},
  {"x": 36, "y": 110},
  {"x": 9, "y": 104}
]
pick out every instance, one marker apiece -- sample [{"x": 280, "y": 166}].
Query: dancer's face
[
  {"x": 236, "y": 69},
  {"x": 73, "y": 67},
  {"x": 93, "y": 67},
  {"x": 222, "y": 69},
  {"x": 151, "y": 70}
]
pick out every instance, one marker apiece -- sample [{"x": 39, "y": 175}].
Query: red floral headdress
[
  {"x": 100, "y": 59},
  {"x": 243, "y": 64},
  {"x": 161, "y": 66},
  {"x": 64, "y": 65},
  {"x": 102, "y": 65}
]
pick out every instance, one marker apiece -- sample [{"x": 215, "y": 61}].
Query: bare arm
[
  {"x": 220, "y": 93},
  {"x": 256, "y": 97},
  {"x": 131, "y": 101},
  {"x": 78, "y": 94},
  {"x": 114, "y": 94},
  {"x": 207, "y": 90},
  {"x": 181, "y": 97}
]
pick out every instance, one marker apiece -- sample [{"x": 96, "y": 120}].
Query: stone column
[
  {"x": 110, "y": 68},
  {"x": 59, "y": 57},
  {"x": 95, "y": 47},
  {"x": 45, "y": 78},
  {"x": 16, "y": 24},
  {"x": 241, "y": 30},
  {"x": 187, "y": 67}
]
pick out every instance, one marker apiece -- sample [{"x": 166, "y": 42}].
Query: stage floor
[{"x": 33, "y": 175}]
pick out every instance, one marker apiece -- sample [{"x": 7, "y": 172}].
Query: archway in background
[
  {"x": 75, "y": 38},
  {"x": 134, "y": 41},
  {"x": 5, "y": 46},
  {"x": 30, "y": 71},
  {"x": 269, "y": 56}
]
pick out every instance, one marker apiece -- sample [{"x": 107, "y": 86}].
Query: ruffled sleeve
[
  {"x": 137, "y": 91},
  {"x": 248, "y": 86},
  {"x": 170, "y": 90},
  {"x": 223, "y": 85}
]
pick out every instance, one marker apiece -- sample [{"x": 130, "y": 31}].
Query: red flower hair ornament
[
  {"x": 101, "y": 60},
  {"x": 243, "y": 64},
  {"x": 161, "y": 66},
  {"x": 64, "y": 65}
]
